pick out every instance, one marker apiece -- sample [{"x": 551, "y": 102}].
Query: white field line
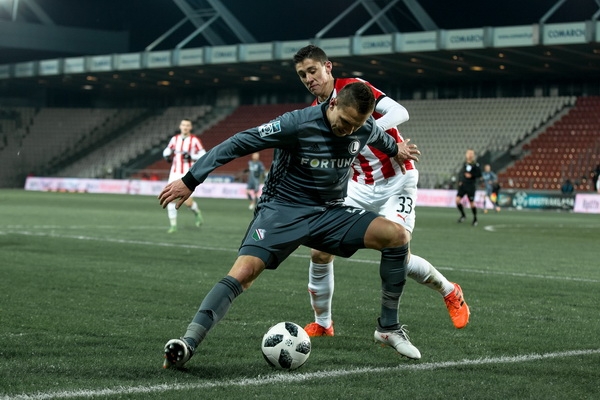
[
  {"x": 286, "y": 377},
  {"x": 17, "y": 231}
]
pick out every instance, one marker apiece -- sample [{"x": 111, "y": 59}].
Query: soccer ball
[{"x": 286, "y": 346}]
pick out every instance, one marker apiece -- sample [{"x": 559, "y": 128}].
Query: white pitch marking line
[
  {"x": 286, "y": 377},
  {"x": 537, "y": 227},
  {"x": 356, "y": 260}
]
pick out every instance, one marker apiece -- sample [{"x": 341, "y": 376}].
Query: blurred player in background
[
  {"x": 467, "y": 183},
  {"x": 377, "y": 185},
  {"x": 256, "y": 171},
  {"x": 492, "y": 187},
  {"x": 183, "y": 149},
  {"x": 595, "y": 175}
]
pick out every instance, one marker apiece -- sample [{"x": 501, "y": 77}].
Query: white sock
[
  {"x": 424, "y": 273},
  {"x": 195, "y": 208},
  {"x": 172, "y": 213},
  {"x": 320, "y": 288}
]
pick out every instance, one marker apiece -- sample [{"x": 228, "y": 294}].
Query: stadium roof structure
[{"x": 562, "y": 39}]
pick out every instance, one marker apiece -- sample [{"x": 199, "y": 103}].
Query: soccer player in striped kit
[
  {"x": 376, "y": 185},
  {"x": 183, "y": 149}
]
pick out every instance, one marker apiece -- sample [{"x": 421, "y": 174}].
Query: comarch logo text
[
  {"x": 377, "y": 44},
  {"x": 327, "y": 162},
  {"x": 565, "y": 33},
  {"x": 466, "y": 39}
]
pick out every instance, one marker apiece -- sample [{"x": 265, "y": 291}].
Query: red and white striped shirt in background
[
  {"x": 178, "y": 146},
  {"x": 371, "y": 165}
]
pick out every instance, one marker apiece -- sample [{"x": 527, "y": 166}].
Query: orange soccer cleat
[
  {"x": 457, "y": 307},
  {"x": 313, "y": 329}
]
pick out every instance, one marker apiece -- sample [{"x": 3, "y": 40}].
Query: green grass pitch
[{"x": 91, "y": 287}]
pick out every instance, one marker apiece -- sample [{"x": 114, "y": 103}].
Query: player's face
[
  {"x": 185, "y": 127},
  {"x": 470, "y": 156},
  {"x": 344, "y": 121},
  {"x": 316, "y": 77}
]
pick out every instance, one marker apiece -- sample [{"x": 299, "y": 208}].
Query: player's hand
[
  {"x": 168, "y": 159},
  {"x": 406, "y": 151},
  {"x": 175, "y": 190},
  {"x": 187, "y": 156}
]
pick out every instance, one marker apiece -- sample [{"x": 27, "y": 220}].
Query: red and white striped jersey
[
  {"x": 180, "y": 145},
  {"x": 371, "y": 165}
]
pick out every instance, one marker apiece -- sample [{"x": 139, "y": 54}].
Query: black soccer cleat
[{"x": 177, "y": 353}]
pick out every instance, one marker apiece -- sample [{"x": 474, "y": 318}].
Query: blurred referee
[{"x": 467, "y": 183}]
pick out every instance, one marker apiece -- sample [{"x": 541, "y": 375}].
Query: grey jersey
[
  {"x": 311, "y": 166},
  {"x": 489, "y": 178},
  {"x": 256, "y": 170}
]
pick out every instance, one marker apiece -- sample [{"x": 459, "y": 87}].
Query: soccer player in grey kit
[
  {"x": 256, "y": 170},
  {"x": 302, "y": 204}
]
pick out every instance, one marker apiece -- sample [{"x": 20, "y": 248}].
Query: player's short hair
[
  {"x": 311, "y": 51},
  {"x": 358, "y": 95}
]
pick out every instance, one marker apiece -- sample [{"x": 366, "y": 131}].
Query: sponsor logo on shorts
[
  {"x": 259, "y": 234},
  {"x": 354, "y": 210},
  {"x": 269, "y": 129}
]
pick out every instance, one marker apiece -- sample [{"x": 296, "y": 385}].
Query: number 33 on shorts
[{"x": 403, "y": 212}]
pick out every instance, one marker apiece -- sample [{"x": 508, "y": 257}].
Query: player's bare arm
[
  {"x": 406, "y": 151},
  {"x": 176, "y": 190}
]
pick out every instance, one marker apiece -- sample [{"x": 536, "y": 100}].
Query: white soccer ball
[{"x": 286, "y": 346}]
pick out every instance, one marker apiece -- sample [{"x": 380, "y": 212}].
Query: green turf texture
[{"x": 92, "y": 286}]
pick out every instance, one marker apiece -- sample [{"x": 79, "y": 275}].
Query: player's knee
[
  {"x": 384, "y": 233},
  {"x": 319, "y": 257},
  {"x": 402, "y": 236},
  {"x": 246, "y": 269}
]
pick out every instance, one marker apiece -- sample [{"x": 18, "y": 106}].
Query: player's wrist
[{"x": 189, "y": 181}]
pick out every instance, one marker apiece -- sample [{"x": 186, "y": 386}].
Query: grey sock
[
  {"x": 392, "y": 270},
  {"x": 214, "y": 306}
]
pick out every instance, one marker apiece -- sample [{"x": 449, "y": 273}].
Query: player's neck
[{"x": 328, "y": 90}]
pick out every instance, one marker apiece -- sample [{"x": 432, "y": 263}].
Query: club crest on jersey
[
  {"x": 259, "y": 234},
  {"x": 269, "y": 129},
  {"x": 354, "y": 147}
]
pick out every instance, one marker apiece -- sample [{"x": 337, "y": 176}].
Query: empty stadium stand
[
  {"x": 549, "y": 139},
  {"x": 147, "y": 135},
  {"x": 37, "y": 136},
  {"x": 568, "y": 149},
  {"x": 444, "y": 129}
]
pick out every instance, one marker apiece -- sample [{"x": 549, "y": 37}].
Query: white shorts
[
  {"x": 394, "y": 198},
  {"x": 174, "y": 176}
]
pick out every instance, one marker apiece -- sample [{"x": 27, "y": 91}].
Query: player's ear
[
  {"x": 333, "y": 103},
  {"x": 328, "y": 66}
]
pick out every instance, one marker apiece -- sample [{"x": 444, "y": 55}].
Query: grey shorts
[
  {"x": 253, "y": 184},
  {"x": 279, "y": 228}
]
